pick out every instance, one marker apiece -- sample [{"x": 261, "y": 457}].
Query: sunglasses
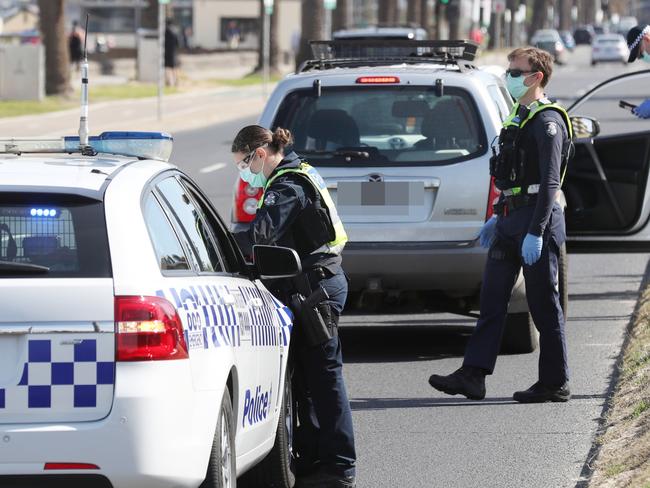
[
  {"x": 246, "y": 162},
  {"x": 516, "y": 73}
]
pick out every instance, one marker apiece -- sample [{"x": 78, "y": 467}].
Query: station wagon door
[{"x": 606, "y": 185}]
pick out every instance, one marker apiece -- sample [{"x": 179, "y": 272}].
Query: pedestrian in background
[
  {"x": 528, "y": 230},
  {"x": 75, "y": 45},
  {"x": 638, "y": 41},
  {"x": 171, "y": 54},
  {"x": 233, "y": 35},
  {"x": 297, "y": 211}
]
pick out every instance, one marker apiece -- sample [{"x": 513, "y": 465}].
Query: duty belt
[{"x": 514, "y": 202}]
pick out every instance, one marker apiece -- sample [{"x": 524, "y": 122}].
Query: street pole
[
  {"x": 329, "y": 6},
  {"x": 161, "y": 54},
  {"x": 266, "y": 46}
]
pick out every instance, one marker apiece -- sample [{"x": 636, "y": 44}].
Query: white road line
[{"x": 212, "y": 167}]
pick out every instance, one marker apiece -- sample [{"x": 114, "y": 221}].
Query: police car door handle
[{"x": 257, "y": 302}]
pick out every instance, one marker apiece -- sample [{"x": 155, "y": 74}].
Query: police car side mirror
[
  {"x": 584, "y": 127},
  {"x": 274, "y": 262}
]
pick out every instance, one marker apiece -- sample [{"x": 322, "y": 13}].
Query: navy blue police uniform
[
  {"x": 289, "y": 216},
  {"x": 528, "y": 206}
]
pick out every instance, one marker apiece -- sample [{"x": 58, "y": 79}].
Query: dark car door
[{"x": 606, "y": 182}]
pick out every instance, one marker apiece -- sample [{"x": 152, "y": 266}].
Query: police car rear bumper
[
  {"x": 455, "y": 267},
  {"x": 151, "y": 438}
]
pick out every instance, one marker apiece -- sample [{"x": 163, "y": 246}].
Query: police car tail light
[
  {"x": 148, "y": 329},
  {"x": 377, "y": 80},
  {"x": 493, "y": 197},
  {"x": 246, "y": 198}
]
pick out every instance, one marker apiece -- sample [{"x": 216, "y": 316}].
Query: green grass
[
  {"x": 101, "y": 93},
  {"x": 641, "y": 407},
  {"x": 255, "y": 79},
  {"x": 14, "y": 108},
  {"x": 614, "y": 470}
]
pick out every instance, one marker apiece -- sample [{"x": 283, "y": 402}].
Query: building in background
[{"x": 18, "y": 17}]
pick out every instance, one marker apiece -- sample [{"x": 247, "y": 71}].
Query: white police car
[{"x": 137, "y": 348}]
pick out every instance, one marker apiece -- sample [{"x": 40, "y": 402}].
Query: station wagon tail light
[
  {"x": 246, "y": 198},
  {"x": 148, "y": 329},
  {"x": 493, "y": 197},
  {"x": 377, "y": 80},
  {"x": 58, "y": 466}
]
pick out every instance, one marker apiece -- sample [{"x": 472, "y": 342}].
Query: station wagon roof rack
[{"x": 343, "y": 53}]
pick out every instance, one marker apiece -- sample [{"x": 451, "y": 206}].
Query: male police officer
[
  {"x": 638, "y": 41},
  {"x": 534, "y": 147},
  {"x": 297, "y": 211}
]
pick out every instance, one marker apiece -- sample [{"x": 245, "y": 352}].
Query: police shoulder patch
[
  {"x": 551, "y": 129},
  {"x": 271, "y": 198}
]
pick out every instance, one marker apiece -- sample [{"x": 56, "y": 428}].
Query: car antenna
[{"x": 84, "y": 146}]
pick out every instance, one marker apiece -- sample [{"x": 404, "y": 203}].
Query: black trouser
[
  {"x": 499, "y": 277},
  {"x": 325, "y": 435}
]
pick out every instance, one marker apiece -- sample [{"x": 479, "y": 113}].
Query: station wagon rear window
[
  {"x": 368, "y": 125},
  {"x": 52, "y": 236}
]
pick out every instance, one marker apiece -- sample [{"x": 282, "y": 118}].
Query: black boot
[
  {"x": 326, "y": 479},
  {"x": 540, "y": 393},
  {"x": 467, "y": 381}
]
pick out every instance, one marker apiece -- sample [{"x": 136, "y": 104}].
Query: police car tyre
[
  {"x": 278, "y": 469},
  {"x": 221, "y": 467}
]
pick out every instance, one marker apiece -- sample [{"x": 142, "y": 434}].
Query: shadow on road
[
  {"x": 396, "y": 343},
  {"x": 389, "y": 403}
]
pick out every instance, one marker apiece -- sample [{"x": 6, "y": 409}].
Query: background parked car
[
  {"x": 584, "y": 34},
  {"x": 608, "y": 48},
  {"x": 549, "y": 40},
  {"x": 568, "y": 40}
]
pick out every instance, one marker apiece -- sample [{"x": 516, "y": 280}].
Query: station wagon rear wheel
[{"x": 221, "y": 468}]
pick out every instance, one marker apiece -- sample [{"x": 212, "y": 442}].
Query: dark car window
[
  {"x": 383, "y": 125},
  {"x": 65, "y": 233},
  {"x": 218, "y": 230},
  {"x": 168, "y": 248},
  {"x": 190, "y": 220}
]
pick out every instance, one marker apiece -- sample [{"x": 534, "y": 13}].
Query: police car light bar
[{"x": 143, "y": 145}]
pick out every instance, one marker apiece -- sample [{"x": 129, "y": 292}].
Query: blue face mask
[
  {"x": 516, "y": 86},
  {"x": 256, "y": 180},
  {"x": 645, "y": 56}
]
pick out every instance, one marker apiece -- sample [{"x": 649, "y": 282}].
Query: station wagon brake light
[
  {"x": 377, "y": 80},
  {"x": 68, "y": 466},
  {"x": 493, "y": 197},
  {"x": 148, "y": 329}
]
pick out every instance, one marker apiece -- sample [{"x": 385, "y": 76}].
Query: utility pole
[
  {"x": 161, "y": 54},
  {"x": 266, "y": 45}
]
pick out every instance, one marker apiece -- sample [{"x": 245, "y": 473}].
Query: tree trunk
[
  {"x": 341, "y": 15},
  {"x": 564, "y": 10},
  {"x": 453, "y": 18},
  {"x": 313, "y": 18},
  {"x": 426, "y": 17},
  {"x": 274, "y": 53},
  {"x": 55, "y": 40},
  {"x": 388, "y": 12},
  {"x": 441, "y": 15},
  {"x": 413, "y": 12},
  {"x": 539, "y": 16}
]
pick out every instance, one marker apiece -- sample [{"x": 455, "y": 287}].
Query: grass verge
[
  {"x": 255, "y": 79},
  {"x": 624, "y": 457}
]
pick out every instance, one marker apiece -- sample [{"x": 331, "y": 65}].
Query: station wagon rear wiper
[{"x": 9, "y": 267}]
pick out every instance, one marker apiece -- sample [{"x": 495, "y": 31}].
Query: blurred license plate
[{"x": 375, "y": 193}]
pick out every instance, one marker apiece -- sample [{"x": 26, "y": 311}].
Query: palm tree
[
  {"x": 388, "y": 12},
  {"x": 274, "y": 53},
  {"x": 341, "y": 16},
  {"x": 413, "y": 12},
  {"x": 312, "y": 21},
  {"x": 57, "y": 58}
]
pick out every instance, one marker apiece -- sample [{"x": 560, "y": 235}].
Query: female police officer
[{"x": 297, "y": 211}]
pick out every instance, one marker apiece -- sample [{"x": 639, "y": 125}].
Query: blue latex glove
[
  {"x": 488, "y": 233},
  {"x": 531, "y": 250},
  {"x": 642, "y": 111}
]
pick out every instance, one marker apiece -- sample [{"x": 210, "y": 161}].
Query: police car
[
  {"x": 401, "y": 132},
  {"x": 137, "y": 348}
]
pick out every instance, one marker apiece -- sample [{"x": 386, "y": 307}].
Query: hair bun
[{"x": 281, "y": 138}]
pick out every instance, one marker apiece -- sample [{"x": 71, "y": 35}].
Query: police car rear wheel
[
  {"x": 278, "y": 469},
  {"x": 221, "y": 467}
]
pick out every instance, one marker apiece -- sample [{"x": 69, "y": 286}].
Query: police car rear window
[
  {"x": 388, "y": 125},
  {"x": 52, "y": 236}
]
